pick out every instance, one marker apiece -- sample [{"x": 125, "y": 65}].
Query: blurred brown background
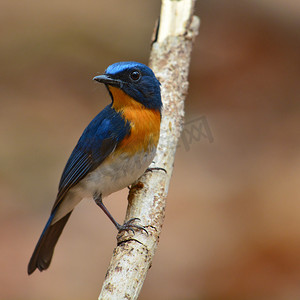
[{"x": 232, "y": 227}]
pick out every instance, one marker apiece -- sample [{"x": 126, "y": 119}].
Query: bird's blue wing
[{"x": 98, "y": 140}]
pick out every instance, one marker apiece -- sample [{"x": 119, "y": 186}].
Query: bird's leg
[
  {"x": 99, "y": 202},
  {"x": 126, "y": 226}
]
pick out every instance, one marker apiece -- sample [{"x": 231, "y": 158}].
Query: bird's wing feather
[{"x": 99, "y": 139}]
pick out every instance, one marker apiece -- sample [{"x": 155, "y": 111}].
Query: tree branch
[{"x": 169, "y": 59}]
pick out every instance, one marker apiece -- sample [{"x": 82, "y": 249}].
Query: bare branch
[{"x": 169, "y": 59}]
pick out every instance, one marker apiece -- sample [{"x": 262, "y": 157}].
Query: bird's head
[{"x": 136, "y": 80}]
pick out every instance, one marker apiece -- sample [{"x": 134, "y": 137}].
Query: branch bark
[{"x": 169, "y": 59}]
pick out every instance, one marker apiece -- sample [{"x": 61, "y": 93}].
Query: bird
[{"x": 114, "y": 150}]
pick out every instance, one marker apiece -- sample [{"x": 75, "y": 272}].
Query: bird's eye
[{"x": 135, "y": 75}]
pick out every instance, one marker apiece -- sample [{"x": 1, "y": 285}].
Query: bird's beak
[{"x": 108, "y": 80}]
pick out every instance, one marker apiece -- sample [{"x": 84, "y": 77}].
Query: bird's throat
[
  {"x": 144, "y": 122},
  {"x": 122, "y": 100}
]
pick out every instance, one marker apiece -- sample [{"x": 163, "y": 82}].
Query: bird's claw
[
  {"x": 156, "y": 169},
  {"x": 130, "y": 226}
]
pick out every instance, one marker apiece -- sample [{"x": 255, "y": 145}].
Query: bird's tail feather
[{"x": 43, "y": 252}]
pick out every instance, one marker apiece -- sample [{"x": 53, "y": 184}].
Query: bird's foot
[
  {"x": 130, "y": 226},
  {"x": 156, "y": 169}
]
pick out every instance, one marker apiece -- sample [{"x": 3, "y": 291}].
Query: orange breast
[{"x": 145, "y": 123}]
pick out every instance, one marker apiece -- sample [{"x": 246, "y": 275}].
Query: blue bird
[{"x": 114, "y": 150}]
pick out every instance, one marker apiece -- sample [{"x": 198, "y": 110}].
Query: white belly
[
  {"x": 117, "y": 173},
  {"x": 111, "y": 176}
]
